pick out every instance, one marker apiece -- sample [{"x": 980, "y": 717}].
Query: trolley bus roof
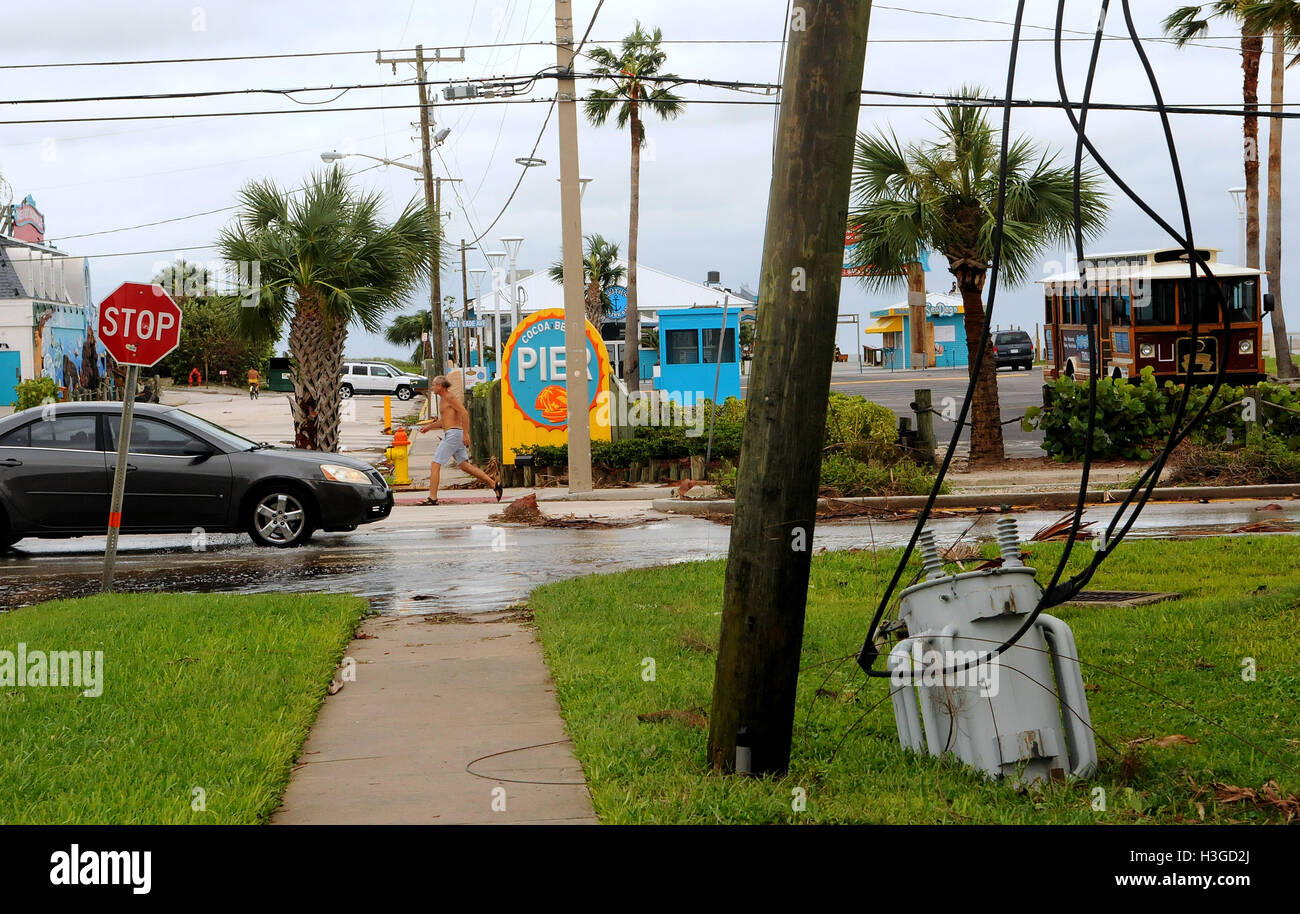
[{"x": 1111, "y": 267}]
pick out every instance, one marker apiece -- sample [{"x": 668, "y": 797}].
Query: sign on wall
[{"x": 534, "y": 392}]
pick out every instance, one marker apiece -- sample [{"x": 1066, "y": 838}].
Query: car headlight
[
  {"x": 337, "y": 473},
  {"x": 1246, "y": 347},
  {"x": 1147, "y": 351}
]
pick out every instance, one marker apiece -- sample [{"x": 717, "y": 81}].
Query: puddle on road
[{"x": 477, "y": 568}]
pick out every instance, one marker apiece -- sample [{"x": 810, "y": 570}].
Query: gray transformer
[{"x": 1022, "y": 714}]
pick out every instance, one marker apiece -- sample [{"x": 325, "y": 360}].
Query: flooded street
[{"x": 409, "y": 565}]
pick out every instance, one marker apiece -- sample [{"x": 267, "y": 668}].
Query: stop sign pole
[{"x": 139, "y": 325}]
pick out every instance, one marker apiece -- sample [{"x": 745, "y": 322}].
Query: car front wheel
[
  {"x": 279, "y": 517},
  {"x": 404, "y": 393},
  {"x": 346, "y": 391}
]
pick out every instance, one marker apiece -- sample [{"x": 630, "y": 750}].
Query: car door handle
[
  {"x": 130, "y": 467},
  {"x": 11, "y": 462}
]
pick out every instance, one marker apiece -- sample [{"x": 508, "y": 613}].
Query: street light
[
  {"x": 512, "y": 244},
  {"x": 582, "y": 186},
  {"x": 335, "y": 156},
  {"x": 1238, "y": 195}
]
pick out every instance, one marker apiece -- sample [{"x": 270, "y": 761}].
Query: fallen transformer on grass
[{"x": 1021, "y": 714}]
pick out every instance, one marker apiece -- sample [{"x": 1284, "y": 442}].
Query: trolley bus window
[
  {"x": 1156, "y": 306},
  {"x": 1243, "y": 298},
  {"x": 1207, "y": 302},
  {"x": 1119, "y": 310}
]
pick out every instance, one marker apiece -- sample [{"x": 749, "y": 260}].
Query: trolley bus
[{"x": 1144, "y": 302}]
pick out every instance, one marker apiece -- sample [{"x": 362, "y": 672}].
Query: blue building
[
  {"x": 688, "y": 354},
  {"x": 944, "y": 313}
]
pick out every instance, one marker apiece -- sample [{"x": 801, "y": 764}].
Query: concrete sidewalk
[{"x": 429, "y": 698}]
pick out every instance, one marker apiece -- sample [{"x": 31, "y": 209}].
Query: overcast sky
[{"x": 705, "y": 178}]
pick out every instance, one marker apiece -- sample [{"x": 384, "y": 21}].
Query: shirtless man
[{"x": 454, "y": 449}]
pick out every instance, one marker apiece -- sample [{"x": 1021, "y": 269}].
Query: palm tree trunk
[
  {"x": 1252, "y": 48},
  {"x": 595, "y": 306},
  {"x": 632, "y": 336},
  {"x": 1273, "y": 248},
  {"x": 317, "y": 349},
  {"x": 986, "y": 414}
]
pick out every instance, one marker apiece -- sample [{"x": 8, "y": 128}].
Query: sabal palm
[
  {"x": 327, "y": 260},
  {"x": 600, "y": 271},
  {"x": 942, "y": 194},
  {"x": 407, "y": 329},
  {"x": 1188, "y": 23},
  {"x": 1281, "y": 18},
  {"x": 636, "y": 79}
]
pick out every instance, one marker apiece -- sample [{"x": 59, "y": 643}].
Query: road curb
[{"x": 1060, "y": 499}]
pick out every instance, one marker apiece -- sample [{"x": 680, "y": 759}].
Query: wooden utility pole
[
  {"x": 431, "y": 188},
  {"x": 575, "y": 311},
  {"x": 776, "y": 494},
  {"x": 916, "y": 315}
]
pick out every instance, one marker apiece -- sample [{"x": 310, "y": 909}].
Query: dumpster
[{"x": 278, "y": 377}]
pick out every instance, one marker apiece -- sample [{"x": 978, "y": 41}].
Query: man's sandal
[
  {"x": 499, "y": 491},
  {"x": 428, "y": 501}
]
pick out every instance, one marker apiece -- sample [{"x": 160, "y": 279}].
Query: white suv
[{"x": 378, "y": 378}]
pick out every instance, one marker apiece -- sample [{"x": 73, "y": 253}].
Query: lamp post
[
  {"x": 512, "y": 244},
  {"x": 495, "y": 259},
  {"x": 1238, "y": 195}
]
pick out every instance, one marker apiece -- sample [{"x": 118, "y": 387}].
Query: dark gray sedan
[{"x": 183, "y": 473}]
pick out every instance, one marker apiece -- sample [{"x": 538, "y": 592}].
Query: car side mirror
[{"x": 1270, "y": 302}]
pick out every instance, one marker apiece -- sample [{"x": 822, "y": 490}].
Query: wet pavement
[{"x": 416, "y": 566}]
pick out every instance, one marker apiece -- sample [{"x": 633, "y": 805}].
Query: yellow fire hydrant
[{"x": 399, "y": 455}]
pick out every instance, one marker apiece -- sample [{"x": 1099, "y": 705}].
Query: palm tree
[
  {"x": 327, "y": 260},
  {"x": 634, "y": 73},
  {"x": 600, "y": 271},
  {"x": 407, "y": 329},
  {"x": 943, "y": 195},
  {"x": 1188, "y": 23},
  {"x": 1282, "y": 19}
]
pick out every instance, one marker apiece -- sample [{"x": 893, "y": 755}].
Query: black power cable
[
  {"x": 867, "y": 656},
  {"x": 1055, "y": 593}
]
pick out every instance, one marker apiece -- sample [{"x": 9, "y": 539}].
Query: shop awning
[{"x": 886, "y": 325}]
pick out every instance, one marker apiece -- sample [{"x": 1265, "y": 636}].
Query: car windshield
[{"x": 212, "y": 430}]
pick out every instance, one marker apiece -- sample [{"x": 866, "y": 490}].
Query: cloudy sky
[{"x": 705, "y": 181}]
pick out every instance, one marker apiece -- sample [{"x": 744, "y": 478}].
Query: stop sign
[{"x": 139, "y": 324}]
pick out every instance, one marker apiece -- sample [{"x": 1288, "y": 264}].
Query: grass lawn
[
  {"x": 206, "y": 691},
  {"x": 1241, "y": 598}
]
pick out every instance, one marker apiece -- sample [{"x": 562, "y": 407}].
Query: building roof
[
  {"x": 656, "y": 290},
  {"x": 11, "y": 285},
  {"x": 934, "y": 301}
]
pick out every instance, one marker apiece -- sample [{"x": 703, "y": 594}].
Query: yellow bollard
[
  {"x": 388, "y": 415},
  {"x": 399, "y": 456}
]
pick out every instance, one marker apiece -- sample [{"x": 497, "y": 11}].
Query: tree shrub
[
  {"x": 35, "y": 392},
  {"x": 1135, "y": 418}
]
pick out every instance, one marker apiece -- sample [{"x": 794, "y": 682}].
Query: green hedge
[{"x": 1134, "y": 418}]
